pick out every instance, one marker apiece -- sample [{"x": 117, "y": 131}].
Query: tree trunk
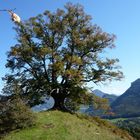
[{"x": 59, "y": 103}]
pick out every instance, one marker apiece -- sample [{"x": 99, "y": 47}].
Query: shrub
[{"x": 14, "y": 114}]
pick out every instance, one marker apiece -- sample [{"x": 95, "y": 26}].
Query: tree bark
[{"x": 59, "y": 102}]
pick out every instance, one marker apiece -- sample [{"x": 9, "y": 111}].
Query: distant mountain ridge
[
  {"x": 111, "y": 97},
  {"x": 98, "y": 93},
  {"x": 129, "y": 102},
  {"x": 92, "y": 111}
]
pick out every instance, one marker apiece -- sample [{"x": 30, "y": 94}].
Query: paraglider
[{"x": 13, "y": 15}]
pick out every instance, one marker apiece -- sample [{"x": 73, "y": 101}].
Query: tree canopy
[{"x": 57, "y": 53}]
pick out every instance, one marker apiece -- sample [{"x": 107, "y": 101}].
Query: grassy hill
[{"x": 56, "y": 125}]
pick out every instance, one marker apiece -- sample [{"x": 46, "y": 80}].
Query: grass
[{"x": 56, "y": 125}]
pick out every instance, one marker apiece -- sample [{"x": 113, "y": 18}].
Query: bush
[{"x": 14, "y": 114}]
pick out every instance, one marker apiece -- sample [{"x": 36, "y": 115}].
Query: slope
[{"x": 56, "y": 125}]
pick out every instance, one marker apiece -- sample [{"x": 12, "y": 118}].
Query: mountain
[
  {"x": 3, "y": 98},
  {"x": 129, "y": 102},
  {"x": 111, "y": 97},
  {"x": 90, "y": 110},
  {"x": 57, "y": 125},
  {"x": 48, "y": 103},
  {"x": 98, "y": 93}
]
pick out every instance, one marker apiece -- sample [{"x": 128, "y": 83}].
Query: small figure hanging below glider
[{"x": 13, "y": 15}]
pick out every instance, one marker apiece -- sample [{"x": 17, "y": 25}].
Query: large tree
[{"x": 57, "y": 53}]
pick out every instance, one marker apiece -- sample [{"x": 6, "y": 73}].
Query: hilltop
[{"x": 56, "y": 125}]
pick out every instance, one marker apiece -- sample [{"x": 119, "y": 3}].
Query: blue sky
[{"x": 120, "y": 17}]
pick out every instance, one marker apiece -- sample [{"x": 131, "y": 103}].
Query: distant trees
[
  {"x": 132, "y": 125},
  {"x": 57, "y": 54}
]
